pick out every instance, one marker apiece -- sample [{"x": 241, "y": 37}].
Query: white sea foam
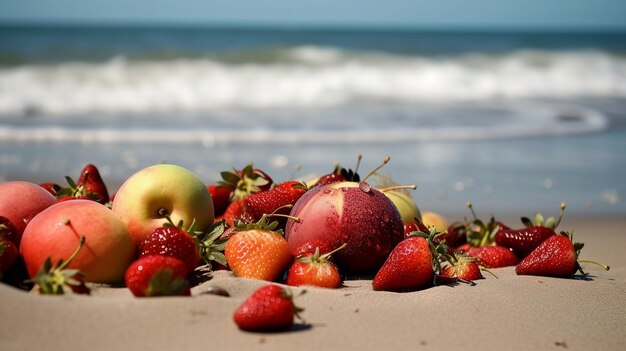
[
  {"x": 523, "y": 120},
  {"x": 303, "y": 77}
]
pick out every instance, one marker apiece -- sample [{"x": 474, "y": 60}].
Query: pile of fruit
[{"x": 165, "y": 224}]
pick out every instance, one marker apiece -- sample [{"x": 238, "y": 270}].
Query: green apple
[
  {"x": 405, "y": 204},
  {"x": 432, "y": 219},
  {"x": 149, "y": 195}
]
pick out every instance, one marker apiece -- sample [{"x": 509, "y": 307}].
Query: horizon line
[{"x": 515, "y": 28}]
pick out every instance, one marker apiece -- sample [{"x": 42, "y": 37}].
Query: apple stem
[
  {"x": 398, "y": 187},
  {"x": 81, "y": 242},
  {"x": 385, "y": 161},
  {"x": 359, "y": 157},
  {"x": 295, "y": 219},
  {"x": 606, "y": 267}
]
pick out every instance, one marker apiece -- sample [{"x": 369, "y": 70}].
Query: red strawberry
[
  {"x": 258, "y": 251},
  {"x": 339, "y": 174},
  {"x": 157, "y": 276},
  {"x": 63, "y": 198},
  {"x": 221, "y": 198},
  {"x": 463, "y": 268},
  {"x": 315, "y": 270},
  {"x": 52, "y": 188},
  {"x": 309, "y": 248},
  {"x": 557, "y": 256},
  {"x": 93, "y": 184},
  {"x": 494, "y": 256},
  {"x": 415, "y": 226},
  {"x": 269, "y": 308},
  {"x": 275, "y": 200},
  {"x": 7, "y": 229},
  {"x": 247, "y": 181},
  {"x": 170, "y": 240},
  {"x": 524, "y": 241},
  {"x": 411, "y": 265},
  {"x": 8, "y": 255},
  {"x": 55, "y": 280},
  {"x": 236, "y": 211}
]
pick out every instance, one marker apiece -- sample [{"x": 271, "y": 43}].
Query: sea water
[{"x": 515, "y": 122}]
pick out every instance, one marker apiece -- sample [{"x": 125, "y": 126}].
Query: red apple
[
  {"x": 21, "y": 201},
  {"x": 55, "y": 232},
  {"x": 149, "y": 195},
  {"x": 352, "y": 213}
]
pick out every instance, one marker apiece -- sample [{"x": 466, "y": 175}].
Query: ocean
[{"x": 514, "y": 122}]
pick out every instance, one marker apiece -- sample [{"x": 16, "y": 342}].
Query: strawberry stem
[
  {"x": 471, "y": 207},
  {"x": 561, "y": 213},
  {"x": 606, "y": 267},
  {"x": 81, "y": 242}
]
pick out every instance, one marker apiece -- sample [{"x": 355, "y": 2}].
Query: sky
[{"x": 517, "y": 14}]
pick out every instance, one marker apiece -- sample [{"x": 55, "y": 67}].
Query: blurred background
[{"x": 514, "y": 105}]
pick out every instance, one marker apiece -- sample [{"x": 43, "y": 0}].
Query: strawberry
[
  {"x": 244, "y": 182},
  {"x": 56, "y": 280},
  {"x": 315, "y": 270},
  {"x": 493, "y": 256},
  {"x": 93, "y": 184},
  {"x": 339, "y": 174},
  {"x": 557, "y": 256},
  {"x": 8, "y": 255},
  {"x": 89, "y": 187},
  {"x": 411, "y": 265},
  {"x": 258, "y": 251},
  {"x": 236, "y": 211},
  {"x": 7, "y": 230},
  {"x": 269, "y": 308},
  {"x": 524, "y": 241},
  {"x": 221, "y": 198},
  {"x": 463, "y": 268},
  {"x": 275, "y": 200},
  {"x": 52, "y": 188},
  {"x": 415, "y": 226},
  {"x": 309, "y": 247},
  {"x": 63, "y": 198},
  {"x": 157, "y": 275},
  {"x": 174, "y": 241}
]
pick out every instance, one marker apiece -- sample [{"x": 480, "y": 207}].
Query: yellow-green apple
[
  {"x": 432, "y": 219},
  {"x": 21, "y": 201},
  {"x": 162, "y": 190},
  {"x": 405, "y": 204},
  {"x": 55, "y": 233},
  {"x": 352, "y": 213}
]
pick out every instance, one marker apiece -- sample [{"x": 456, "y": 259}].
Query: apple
[
  {"x": 21, "y": 201},
  {"x": 405, "y": 204},
  {"x": 162, "y": 190},
  {"x": 55, "y": 232},
  {"x": 352, "y": 213},
  {"x": 432, "y": 219}
]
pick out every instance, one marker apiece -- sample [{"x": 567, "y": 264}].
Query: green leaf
[
  {"x": 230, "y": 177},
  {"x": 527, "y": 222},
  {"x": 550, "y": 223},
  {"x": 539, "y": 219}
]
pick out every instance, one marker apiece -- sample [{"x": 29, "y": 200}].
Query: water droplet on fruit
[
  {"x": 365, "y": 187},
  {"x": 327, "y": 191}
]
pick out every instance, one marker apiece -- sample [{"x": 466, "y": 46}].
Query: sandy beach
[{"x": 512, "y": 312}]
